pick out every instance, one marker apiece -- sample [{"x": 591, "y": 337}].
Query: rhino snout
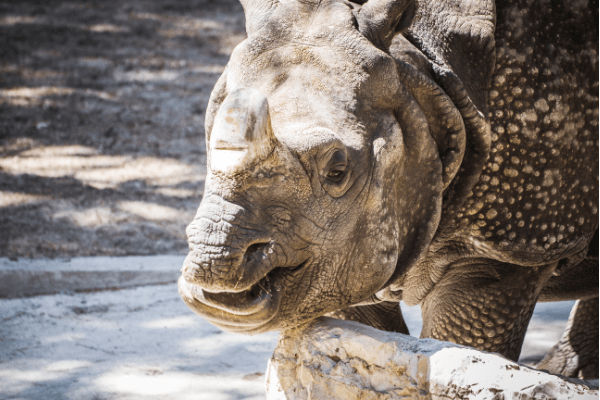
[{"x": 230, "y": 265}]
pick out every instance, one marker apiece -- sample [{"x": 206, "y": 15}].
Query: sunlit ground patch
[
  {"x": 99, "y": 170},
  {"x": 10, "y": 199}
]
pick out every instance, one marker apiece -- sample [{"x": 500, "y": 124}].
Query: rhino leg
[
  {"x": 576, "y": 353},
  {"x": 486, "y": 305},
  {"x": 386, "y": 316}
]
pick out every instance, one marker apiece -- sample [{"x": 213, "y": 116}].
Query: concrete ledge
[
  {"x": 333, "y": 359},
  {"x": 32, "y": 277}
]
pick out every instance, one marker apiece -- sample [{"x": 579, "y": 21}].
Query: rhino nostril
[{"x": 255, "y": 252}]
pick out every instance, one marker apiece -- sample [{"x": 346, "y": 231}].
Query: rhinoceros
[{"x": 443, "y": 153}]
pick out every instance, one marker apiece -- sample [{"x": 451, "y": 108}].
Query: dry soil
[{"x": 102, "y": 121}]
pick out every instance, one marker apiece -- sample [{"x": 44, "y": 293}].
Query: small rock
[
  {"x": 253, "y": 376},
  {"x": 334, "y": 359},
  {"x": 89, "y": 309}
]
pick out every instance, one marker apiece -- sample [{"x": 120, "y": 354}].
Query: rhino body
[{"x": 440, "y": 152}]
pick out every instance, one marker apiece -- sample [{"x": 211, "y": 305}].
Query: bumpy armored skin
[{"x": 440, "y": 152}]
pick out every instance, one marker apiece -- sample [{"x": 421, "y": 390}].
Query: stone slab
[
  {"x": 333, "y": 359},
  {"x": 32, "y": 277}
]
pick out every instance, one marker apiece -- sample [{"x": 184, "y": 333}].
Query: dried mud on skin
[{"x": 102, "y": 122}]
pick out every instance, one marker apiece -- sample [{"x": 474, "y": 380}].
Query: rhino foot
[{"x": 576, "y": 353}]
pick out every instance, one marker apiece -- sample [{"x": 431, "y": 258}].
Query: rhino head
[{"x": 327, "y": 162}]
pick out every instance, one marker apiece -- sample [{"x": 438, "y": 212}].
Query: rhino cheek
[
  {"x": 348, "y": 270},
  {"x": 381, "y": 238},
  {"x": 330, "y": 285}
]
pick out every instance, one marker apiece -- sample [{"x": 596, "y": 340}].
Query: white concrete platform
[{"x": 138, "y": 343}]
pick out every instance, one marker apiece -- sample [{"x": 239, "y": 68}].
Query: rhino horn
[
  {"x": 241, "y": 134},
  {"x": 257, "y": 13}
]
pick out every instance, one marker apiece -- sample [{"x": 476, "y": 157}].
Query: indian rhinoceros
[{"x": 443, "y": 153}]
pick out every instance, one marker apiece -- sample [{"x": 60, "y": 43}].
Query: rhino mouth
[{"x": 245, "y": 311}]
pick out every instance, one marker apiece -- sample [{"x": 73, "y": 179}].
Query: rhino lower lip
[
  {"x": 247, "y": 302},
  {"x": 244, "y": 310}
]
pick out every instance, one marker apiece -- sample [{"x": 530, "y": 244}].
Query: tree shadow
[{"x": 64, "y": 217}]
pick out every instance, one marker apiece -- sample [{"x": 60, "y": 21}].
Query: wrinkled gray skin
[{"x": 440, "y": 152}]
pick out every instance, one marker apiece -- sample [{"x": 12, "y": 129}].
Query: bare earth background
[{"x": 102, "y": 121}]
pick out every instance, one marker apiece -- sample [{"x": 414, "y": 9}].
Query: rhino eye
[
  {"x": 336, "y": 167},
  {"x": 335, "y": 176}
]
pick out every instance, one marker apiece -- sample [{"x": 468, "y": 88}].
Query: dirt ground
[{"x": 102, "y": 121}]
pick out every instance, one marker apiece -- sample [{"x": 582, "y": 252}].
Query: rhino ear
[
  {"x": 458, "y": 36},
  {"x": 257, "y": 12},
  {"x": 381, "y": 20}
]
